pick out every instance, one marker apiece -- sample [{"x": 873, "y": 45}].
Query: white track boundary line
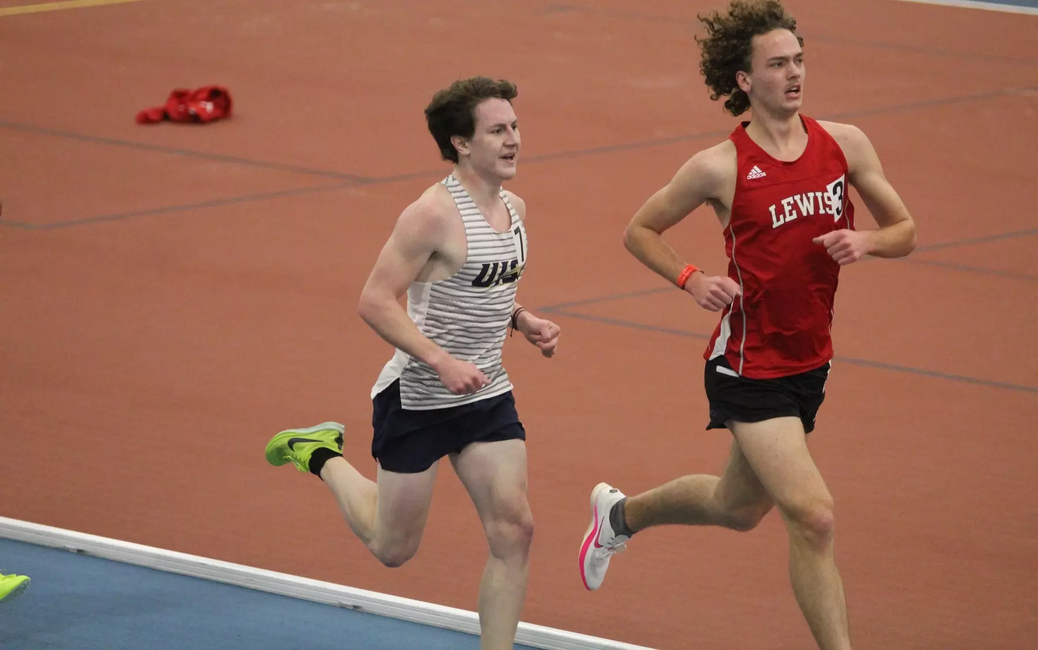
[
  {"x": 979, "y": 4},
  {"x": 359, "y": 600}
]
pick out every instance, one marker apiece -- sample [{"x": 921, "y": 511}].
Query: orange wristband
[{"x": 685, "y": 275}]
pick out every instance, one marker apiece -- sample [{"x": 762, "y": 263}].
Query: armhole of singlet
[
  {"x": 833, "y": 142},
  {"x": 513, "y": 214},
  {"x": 740, "y": 176},
  {"x": 464, "y": 231}
]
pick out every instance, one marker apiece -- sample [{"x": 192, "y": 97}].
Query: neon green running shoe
[
  {"x": 11, "y": 586},
  {"x": 298, "y": 445}
]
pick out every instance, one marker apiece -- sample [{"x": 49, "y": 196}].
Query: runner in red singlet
[{"x": 779, "y": 187}]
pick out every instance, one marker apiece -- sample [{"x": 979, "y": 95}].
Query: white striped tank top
[{"x": 466, "y": 314}]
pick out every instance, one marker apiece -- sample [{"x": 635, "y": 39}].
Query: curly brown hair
[
  {"x": 452, "y": 110},
  {"x": 728, "y": 46}
]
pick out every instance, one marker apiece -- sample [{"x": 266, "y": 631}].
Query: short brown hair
[
  {"x": 452, "y": 110},
  {"x": 728, "y": 46}
]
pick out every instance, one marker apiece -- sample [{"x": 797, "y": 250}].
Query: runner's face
[
  {"x": 494, "y": 146},
  {"x": 777, "y": 77}
]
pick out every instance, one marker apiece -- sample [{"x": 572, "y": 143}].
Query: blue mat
[{"x": 78, "y": 602}]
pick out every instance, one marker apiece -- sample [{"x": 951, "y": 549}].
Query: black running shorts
[
  {"x": 409, "y": 442},
  {"x": 753, "y": 400}
]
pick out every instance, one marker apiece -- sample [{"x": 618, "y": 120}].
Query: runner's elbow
[
  {"x": 634, "y": 235},
  {"x": 910, "y": 238},
  {"x": 628, "y": 237},
  {"x": 370, "y": 305}
]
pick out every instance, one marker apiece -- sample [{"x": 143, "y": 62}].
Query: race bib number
[
  {"x": 837, "y": 191},
  {"x": 519, "y": 238}
]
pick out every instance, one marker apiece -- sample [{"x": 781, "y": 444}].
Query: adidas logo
[{"x": 755, "y": 173}]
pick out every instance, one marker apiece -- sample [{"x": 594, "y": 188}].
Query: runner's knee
[
  {"x": 510, "y": 534},
  {"x": 395, "y": 554},
  {"x": 813, "y": 521}
]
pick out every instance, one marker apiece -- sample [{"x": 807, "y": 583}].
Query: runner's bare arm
[
  {"x": 539, "y": 331},
  {"x": 697, "y": 182},
  {"x": 896, "y": 234},
  {"x": 524, "y": 314},
  {"x": 420, "y": 231}
]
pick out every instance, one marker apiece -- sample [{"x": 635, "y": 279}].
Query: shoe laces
[{"x": 618, "y": 545}]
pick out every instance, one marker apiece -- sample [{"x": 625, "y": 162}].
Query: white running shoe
[{"x": 600, "y": 540}]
